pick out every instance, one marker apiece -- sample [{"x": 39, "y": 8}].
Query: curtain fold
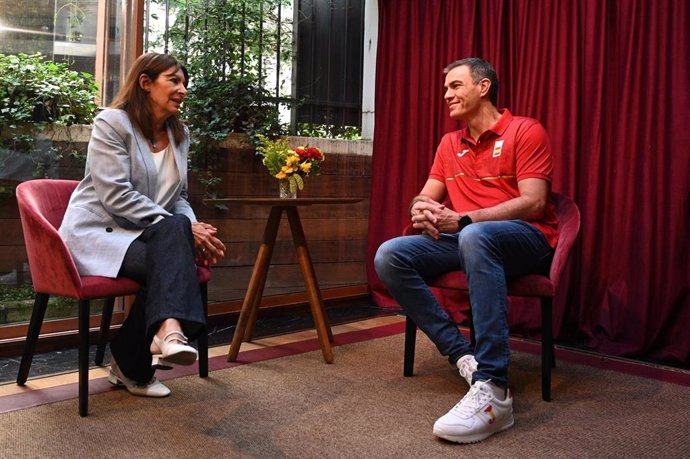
[{"x": 609, "y": 81}]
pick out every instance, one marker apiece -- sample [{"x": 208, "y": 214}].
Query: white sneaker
[
  {"x": 477, "y": 416},
  {"x": 466, "y": 366}
]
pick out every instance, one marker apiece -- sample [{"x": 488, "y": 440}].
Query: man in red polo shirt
[{"x": 496, "y": 173}]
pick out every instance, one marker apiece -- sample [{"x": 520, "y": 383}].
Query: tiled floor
[{"x": 65, "y": 360}]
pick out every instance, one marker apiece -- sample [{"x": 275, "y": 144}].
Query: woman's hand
[{"x": 209, "y": 249}]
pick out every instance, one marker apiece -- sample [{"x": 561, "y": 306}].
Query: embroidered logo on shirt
[
  {"x": 498, "y": 146},
  {"x": 463, "y": 153}
]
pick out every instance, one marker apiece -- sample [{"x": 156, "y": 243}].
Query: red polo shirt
[{"x": 486, "y": 172}]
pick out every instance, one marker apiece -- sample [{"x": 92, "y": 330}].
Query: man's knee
[
  {"x": 475, "y": 246},
  {"x": 382, "y": 259},
  {"x": 390, "y": 259},
  {"x": 473, "y": 238}
]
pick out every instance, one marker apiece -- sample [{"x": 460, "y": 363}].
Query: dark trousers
[{"x": 162, "y": 260}]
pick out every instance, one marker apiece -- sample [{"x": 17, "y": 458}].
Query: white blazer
[{"x": 115, "y": 201}]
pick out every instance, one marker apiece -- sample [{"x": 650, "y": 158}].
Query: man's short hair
[{"x": 479, "y": 69}]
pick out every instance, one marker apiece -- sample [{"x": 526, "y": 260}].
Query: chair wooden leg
[
  {"x": 410, "y": 341},
  {"x": 547, "y": 350},
  {"x": 106, "y": 319},
  {"x": 37, "y": 314},
  {"x": 202, "y": 341},
  {"x": 83, "y": 357}
]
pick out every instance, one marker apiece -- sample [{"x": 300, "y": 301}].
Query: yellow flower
[
  {"x": 284, "y": 162},
  {"x": 291, "y": 160}
]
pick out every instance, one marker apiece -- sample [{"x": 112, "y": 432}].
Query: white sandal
[{"x": 174, "y": 350}]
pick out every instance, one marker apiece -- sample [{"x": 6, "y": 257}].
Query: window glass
[{"x": 87, "y": 34}]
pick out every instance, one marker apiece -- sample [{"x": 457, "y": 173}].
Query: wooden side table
[{"x": 252, "y": 299}]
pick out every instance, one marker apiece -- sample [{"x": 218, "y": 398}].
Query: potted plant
[{"x": 38, "y": 96}]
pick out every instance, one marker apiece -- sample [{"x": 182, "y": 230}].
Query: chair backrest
[
  {"x": 42, "y": 204},
  {"x": 568, "y": 228}
]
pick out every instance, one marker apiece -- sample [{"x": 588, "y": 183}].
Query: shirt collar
[{"x": 497, "y": 129}]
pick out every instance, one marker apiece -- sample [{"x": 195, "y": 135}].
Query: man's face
[{"x": 462, "y": 95}]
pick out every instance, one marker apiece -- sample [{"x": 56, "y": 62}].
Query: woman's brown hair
[{"x": 133, "y": 99}]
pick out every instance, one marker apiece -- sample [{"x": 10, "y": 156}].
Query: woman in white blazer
[{"x": 130, "y": 217}]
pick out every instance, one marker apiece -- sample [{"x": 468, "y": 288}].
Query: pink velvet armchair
[
  {"x": 42, "y": 204},
  {"x": 533, "y": 285}
]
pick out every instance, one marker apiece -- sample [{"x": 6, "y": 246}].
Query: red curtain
[{"x": 610, "y": 81}]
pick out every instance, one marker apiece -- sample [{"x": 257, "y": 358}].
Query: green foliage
[
  {"x": 275, "y": 154},
  {"x": 16, "y": 305},
  {"x": 37, "y": 96},
  {"x": 329, "y": 131},
  {"x": 12, "y": 293},
  {"x": 228, "y": 47},
  {"x": 39, "y": 91}
]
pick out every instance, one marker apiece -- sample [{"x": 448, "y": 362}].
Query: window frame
[
  {"x": 131, "y": 42},
  {"x": 131, "y": 45}
]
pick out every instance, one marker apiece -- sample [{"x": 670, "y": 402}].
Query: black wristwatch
[{"x": 463, "y": 222}]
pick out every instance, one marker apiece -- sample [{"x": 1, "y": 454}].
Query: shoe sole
[
  {"x": 476, "y": 438},
  {"x": 181, "y": 358},
  {"x": 117, "y": 382}
]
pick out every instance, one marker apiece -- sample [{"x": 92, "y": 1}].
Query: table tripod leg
[
  {"x": 254, "y": 312},
  {"x": 256, "y": 283},
  {"x": 323, "y": 330}
]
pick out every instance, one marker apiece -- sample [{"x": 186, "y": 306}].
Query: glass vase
[{"x": 285, "y": 192}]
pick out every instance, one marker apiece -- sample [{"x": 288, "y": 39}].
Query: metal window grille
[
  {"x": 327, "y": 50},
  {"x": 328, "y": 64}
]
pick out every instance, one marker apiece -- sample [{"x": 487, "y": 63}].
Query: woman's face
[{"x": 166, "y": 93}]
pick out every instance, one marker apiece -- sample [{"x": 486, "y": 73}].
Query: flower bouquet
[{"x": 289, "y": 166}]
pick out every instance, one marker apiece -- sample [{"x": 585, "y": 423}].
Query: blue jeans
[{"x": 488, "y": 253}]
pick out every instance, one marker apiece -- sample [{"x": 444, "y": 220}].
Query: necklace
[{"x": 155, "y": 144}]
